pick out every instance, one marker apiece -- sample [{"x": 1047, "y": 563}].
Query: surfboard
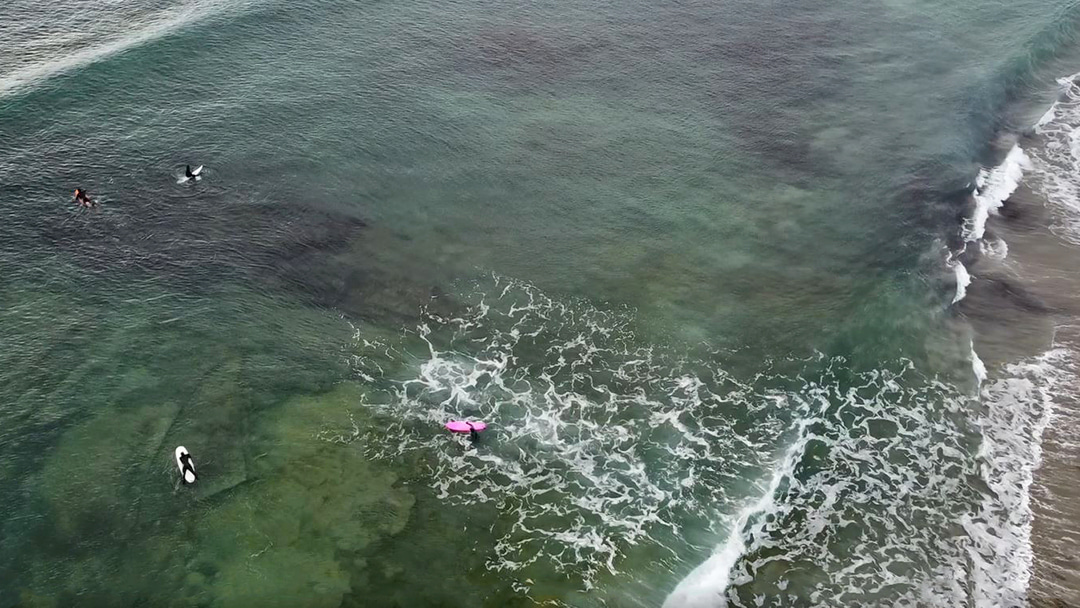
[
  {"x": 196, "y": 175},
  {"x": 188, "y": 475},
  {"x": 460, "y": 426}
]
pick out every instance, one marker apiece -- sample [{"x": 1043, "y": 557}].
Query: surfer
[
  {"x": 192, "y": 175},
  {"x": 188, "y": 470},
  {"x": 188, "y": 174},
  {"x": 186, "y": 465},
  {"x": 82, "y": 199},
  {"x": 463, "y": 426}
]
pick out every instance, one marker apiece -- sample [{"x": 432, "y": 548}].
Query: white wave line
[
  {"x": 170, "y": 21},
  {"x": 704, "y": 587}
]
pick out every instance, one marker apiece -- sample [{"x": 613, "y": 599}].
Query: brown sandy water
[{"x": 1026, "y": 308}]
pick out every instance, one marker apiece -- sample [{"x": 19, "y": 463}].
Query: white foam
[
  {"x": 996, "y": 249},
  {"x": 1048, "y": 117},
  {"x": 1056, "y": 159},
  {"x": 887, "y": 449},
  {"x": 992, "y": 188},
  {"x": 1017, "y": 409}
]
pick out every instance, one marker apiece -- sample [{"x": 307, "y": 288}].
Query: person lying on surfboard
[
  {"x": 82, "y": 199},
  {"x": 462, "y": 426}
]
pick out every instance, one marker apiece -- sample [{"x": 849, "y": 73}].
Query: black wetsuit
[
  {"x": 188, "y": 173},
  {"x": 185, "y": 462}
]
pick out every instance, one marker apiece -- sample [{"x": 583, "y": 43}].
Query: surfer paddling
[
  {"x": 83, "y": 200},
  {"x": 463, "y": 426}
]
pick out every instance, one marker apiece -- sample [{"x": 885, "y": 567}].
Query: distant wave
[
  {"x": 1022, "y": 72},
  {"x": 131, "y": 36}
]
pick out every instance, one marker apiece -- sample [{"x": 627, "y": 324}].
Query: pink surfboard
[{"x": 460, "y": 426}]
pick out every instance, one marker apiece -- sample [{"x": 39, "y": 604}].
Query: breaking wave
[{"x": 992, "y": 188}]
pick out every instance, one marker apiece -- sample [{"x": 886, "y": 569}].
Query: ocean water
[{"x": 765, "y": 304}]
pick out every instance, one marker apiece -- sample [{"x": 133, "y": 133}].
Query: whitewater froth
[
  {"x": 597, "y": 442},
  {"x": 1056, "y": 163},
  {"x": 600, "y": 444}
]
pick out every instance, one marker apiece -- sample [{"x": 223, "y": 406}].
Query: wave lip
[
  {"x": 977, "y": 366},
  {"x": 963, "y": 279},
  {"x": 993, "y": 188}
]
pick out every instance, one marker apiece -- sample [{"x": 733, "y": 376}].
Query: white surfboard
[
  {"x": 186, "y": 472},
  {"x": 195, "y": 175}
]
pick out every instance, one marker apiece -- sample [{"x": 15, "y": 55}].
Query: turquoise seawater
[{"x": 691, "y": 261}]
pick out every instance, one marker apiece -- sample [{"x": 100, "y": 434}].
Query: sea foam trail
[{"x": 100, "y": 45}]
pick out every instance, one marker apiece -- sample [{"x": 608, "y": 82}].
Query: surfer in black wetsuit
[
  {"x": 185, "y": 461},
  {"x": 188, "y": 174},
  {"x": 473, "y": 435},
  {"x": 82, "y": 199}
]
